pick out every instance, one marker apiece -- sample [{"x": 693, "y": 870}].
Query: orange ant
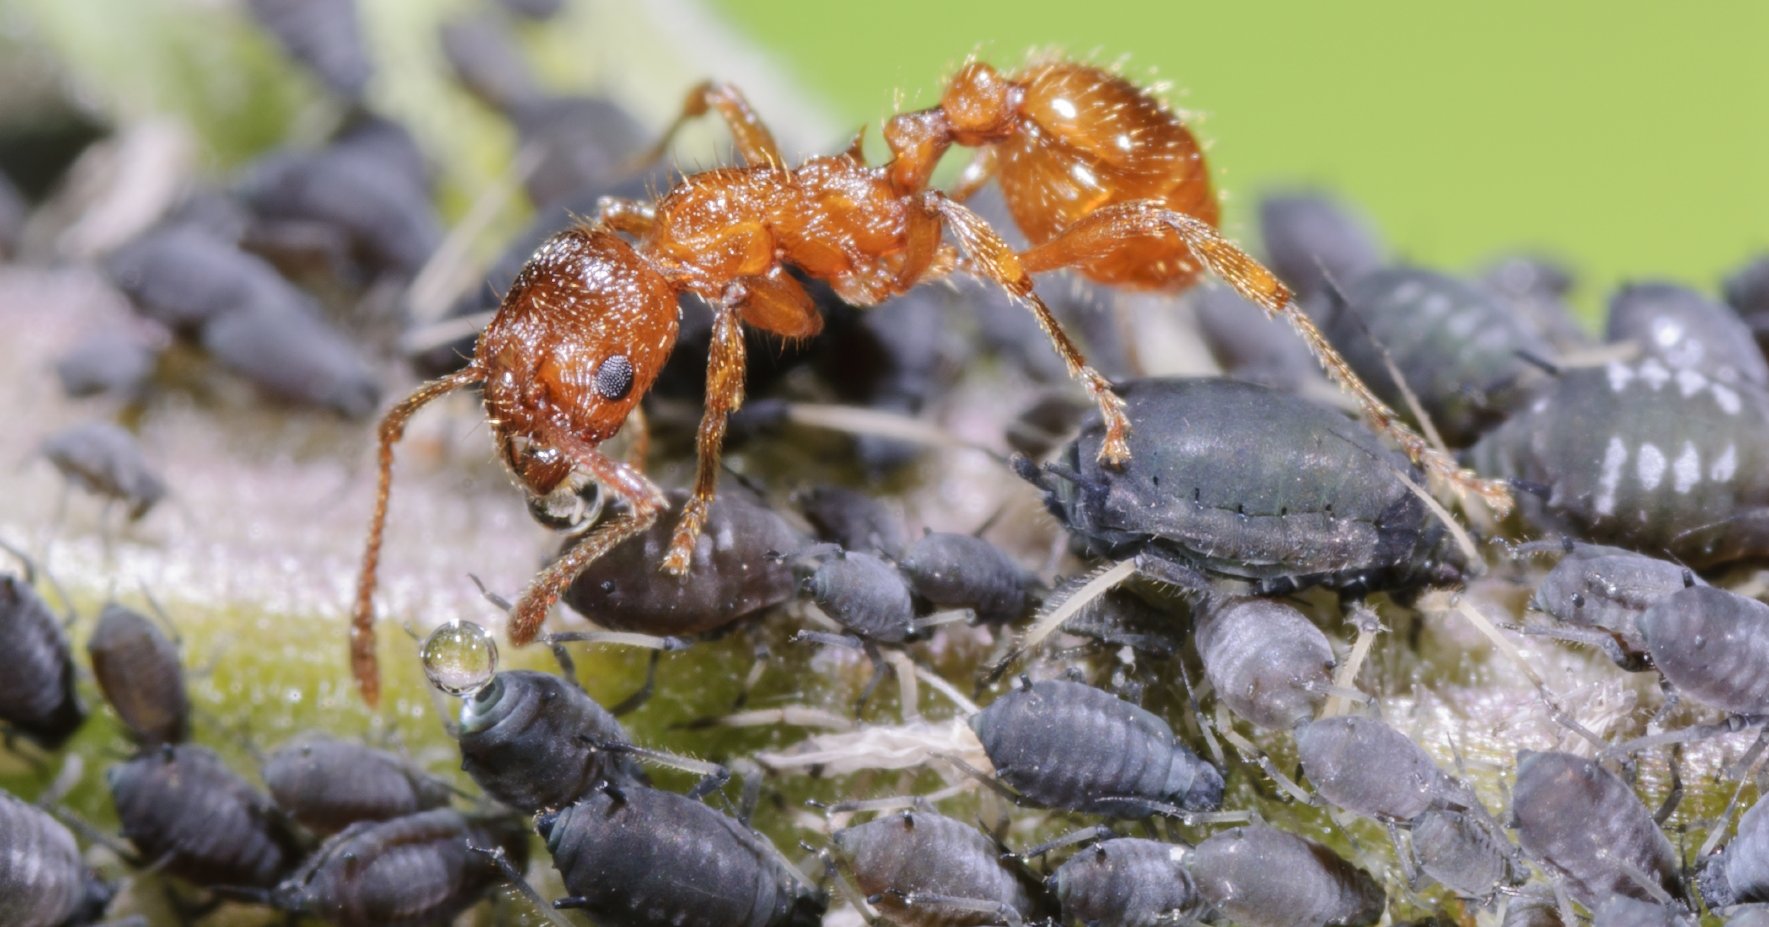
[{"x": 1098, "y": 173}]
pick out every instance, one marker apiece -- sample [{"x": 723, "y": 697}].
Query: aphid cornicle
[{"x": 1098, "y": 173}]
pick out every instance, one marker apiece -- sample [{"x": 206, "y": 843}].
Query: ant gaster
[{"x": 1096, "y": 171}]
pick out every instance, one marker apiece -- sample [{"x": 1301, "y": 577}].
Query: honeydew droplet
[{"x": 460, "y": 657}]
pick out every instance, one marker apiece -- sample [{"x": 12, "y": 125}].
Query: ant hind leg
[
  {"x": 754, "y": 142},
  {"x": 991, "y": 258},
  {"x": 1105, "y": 229}
]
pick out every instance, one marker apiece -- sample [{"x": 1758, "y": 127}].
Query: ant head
[
  {"x": 980, "y": 105},
  {"x": 575, "y": 345}
]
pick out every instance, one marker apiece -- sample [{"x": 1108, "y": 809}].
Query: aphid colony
[{"x": 1190, "y": 714}]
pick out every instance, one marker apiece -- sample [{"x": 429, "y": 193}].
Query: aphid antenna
[
  {"x": 1539, "y": 362},
  {"x": 518, "y": 884},
  {"x": 787, "y": 715},
  {"x": 713, "y": 775},
  {"x": 1208, "y": 731},
  {"x": 1745, "y": 770},
  {"x": 1730, "y": 725},
  {"x": 1459, "y": 534},
  {"x": 1006, "y": 915},
  {"x": 1253, "y": 754},
  {"x": 938, "y": 683},
  {"x": 1082, "y": 838},
  {"x": 1675, "y": 796},
  {"x": 1368, "y": 625},
  {"x": 1062, "y": 605}
]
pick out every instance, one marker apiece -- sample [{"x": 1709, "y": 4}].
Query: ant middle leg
[
  {"x": 724, "y": 394},
  {"x": 990, "y": 257},
  {"x": 754, "y": 142},
  {"x": 1105, "y": 230},
  {"x": 644, "y": 500}
]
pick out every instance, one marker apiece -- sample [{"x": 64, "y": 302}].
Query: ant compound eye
[{"x": 614, "y": 379}]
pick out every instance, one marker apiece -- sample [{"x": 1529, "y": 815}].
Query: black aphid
[
  {"x": 141, "y": 673},
  {"x": 188, "y": 814},
  {"x": 1063, "y": 744},
  {"x": 927, "y": 870},
  {"x": 633, "y": 856},
  {"x": 1264, "y": 877},
  {"x": 326, "y": 784}
]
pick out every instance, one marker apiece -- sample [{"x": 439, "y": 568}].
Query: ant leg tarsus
[
  {"x": 993, "y": 259},
  {"x": 754, "y": 142},
  {"x": 1103, "y": 232},
  {"x": 363, "y": 663},
  {"x": 645, "y": 502},
  {"x": 724, "y": 394}
]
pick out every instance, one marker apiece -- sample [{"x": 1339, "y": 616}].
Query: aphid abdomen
[
  {"x": 1583, "y": 822},
  {"x": 1126, "y": 882},
  {"x": 42, "y": 876},
  {"x": 1267, "y": 662},
  {"x": 1712, "y": 645},
  {"x": 37, "y": 696},
  {"x": 928, "y": 853},
  {"x": 1264, "y": 877}
]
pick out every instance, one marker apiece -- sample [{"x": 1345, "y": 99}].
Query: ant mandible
[{"x": 1100, "y": 176}]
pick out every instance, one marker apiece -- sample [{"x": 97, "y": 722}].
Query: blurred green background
[{"x": 1630, "y": 138}]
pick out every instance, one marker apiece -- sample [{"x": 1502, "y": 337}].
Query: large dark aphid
[
  {"x": 927, "y": 870},
  {"x": 1459, "y": 347},
  {"x": 187, "y": 812},
  {"x": 37, "y": 697},
  {"x": 104, "y": 459},
  {"x": 1671, "y": 462},
  {"x": 633, "y": 856},
  {"x": 44, "y": 881},
  {"x": 1240, "y": 481},
  {"x": 730, "y": 575},
  {"x": 410, "y": 871},
  {"x": 1713, "y": 645},
  {"x": 1063, "y": 744},
  {"x": 1264, "y": 877},
  {"x": 535, "y": 741},
  {"x": 142, "y": 676},
  {"x": 1267, "y": 662},
  {"x": 1126, "y": 882},
  {"x": 1739, "y": 873},
  {"x": 1585, "y": 824},
  {"x": 1688, "y": 331},
  {"x": 961, "y": 571},
  {"x": 327, "y": 784},
  {"x": 1747, "y": 292}
]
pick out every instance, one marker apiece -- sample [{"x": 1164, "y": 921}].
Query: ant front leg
[
  {"x": 754, "y": 142},
  {"x": 1105, "y": 230},
  {"x": 645, "y": 502},
  {"x": 991, "y": 258},
  {"x": 628, "y": 217},
  {"x": 724, "y": 394}
]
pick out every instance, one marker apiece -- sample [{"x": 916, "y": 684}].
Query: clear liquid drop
[{"x": 460, "y": 657}]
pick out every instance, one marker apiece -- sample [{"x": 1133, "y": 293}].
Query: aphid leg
[
  {"x": 991, "y": 258},
  {"x": 1059, "y": 608},
  {"x": 1746, "y": 773},
  {"x": 712, "y": 775},
  {"x": 363, "y": 664},
  {"x": 644, "y": 500},
  {"x": 641, "y": 695},
  {"x": 754, "y": 142},
  {"x": 1084, "y": 835},
  {"x": 1002, "y": 913},
  {"x": 518, "y": 883},
  {"x": 724, "y": 394},
  {"x": 1675, "y": 796},
  {"x": 1104, "y": 230}
]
